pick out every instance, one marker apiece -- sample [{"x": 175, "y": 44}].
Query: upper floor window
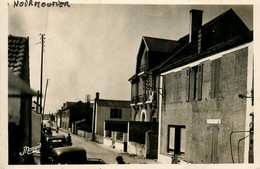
[
  {"x": 115, "y": 113},
  {"x": 194, "y": 82}
]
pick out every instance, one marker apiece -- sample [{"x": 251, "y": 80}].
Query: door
[{"x": 212, "y": 156}]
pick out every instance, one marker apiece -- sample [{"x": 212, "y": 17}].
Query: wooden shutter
[
  {"x": 212, "y": 155},
  {"x": 217, "y": 77},
  {"x": 187, "y": 79},
  {"x": 213, "y": 78},
  {"x": 209, "y": 141},
  {"x": 215, "y": 145},
  {"x": 183, "y": 139},
  {"x": 192, "y": 81},
  {"x": 200, "y": 80}
]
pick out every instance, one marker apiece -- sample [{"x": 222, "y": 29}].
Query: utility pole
[
  {"x": 42, "y": 38},
  {"x": 43, "y": 155},
  {"x": 45, "y": 97}
]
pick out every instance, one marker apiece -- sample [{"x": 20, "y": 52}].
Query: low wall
[
  {"x": 88, "y": 136},
  {"x": 81, "y": 133},
  {"x": 136, "y": 148},
  {"x": 99, "y": 138},
  {"x": 119, "y": 145},
  {"x": 164, "y": 159},
  {"x": 107, "y": 141}
]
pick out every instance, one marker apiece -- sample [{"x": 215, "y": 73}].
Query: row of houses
[{"x": 191, "y": 98}]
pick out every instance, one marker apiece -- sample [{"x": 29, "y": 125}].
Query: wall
[
  {"x": 36, "y": 129},
  {"x": 88, "y": 136},
  {"x": 81, "y": 133},
  {"x": 194, "y": 114},
  {"x": 135, "y": 148},
  {"x": 103, "y": 113}
]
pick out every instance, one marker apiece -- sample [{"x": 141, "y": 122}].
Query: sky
[{"x": 93, "y": 48}]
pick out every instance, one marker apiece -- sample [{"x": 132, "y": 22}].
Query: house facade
[
  {"x": 205, "y": 114},
  {"x": 145, "y": 81},
  {"x": 108, "y": 110}
]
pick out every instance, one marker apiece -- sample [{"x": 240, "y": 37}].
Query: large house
[
  {"x": 145, "y": 81},
  {"x": 206, "y": 106}
]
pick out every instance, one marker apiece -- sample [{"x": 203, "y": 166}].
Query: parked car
[
  {"x": 73, "y": 155},
  {"x": 49, "y": 143},
  {"x": 56, "y": 141}
]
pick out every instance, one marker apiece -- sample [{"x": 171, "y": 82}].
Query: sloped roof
[
  {"x": 18, "y": 86},
  {"x": 73, "y": 104},
  {"x": 228, "y": 31},
  {"x": 160, "y": 45},
  {"x": 114, "y": 103},
  {"x": 18, "y": 53}
]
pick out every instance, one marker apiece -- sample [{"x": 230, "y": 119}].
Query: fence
[{"x": 137, "y": 130}]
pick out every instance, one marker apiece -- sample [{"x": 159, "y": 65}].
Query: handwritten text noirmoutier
[{"x": 39, "y": 4}]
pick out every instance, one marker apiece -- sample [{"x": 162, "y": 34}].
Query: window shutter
[
  {"x": 175, "y": 87},
  {"x": 217, "y": 78},
  {"x": 213, "y": 78},
  {"x": 200, "y": 80},
  {"x": 187, "y": 84},
  {"x": 215, "y": 145},
  {"x": 192, "y": 81},
  {"x": 209, "y": 141}
]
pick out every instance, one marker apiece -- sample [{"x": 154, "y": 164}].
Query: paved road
[{"x": 107, "y": 154}]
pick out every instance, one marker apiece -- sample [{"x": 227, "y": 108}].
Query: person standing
[{"x": 69, "y": 143}]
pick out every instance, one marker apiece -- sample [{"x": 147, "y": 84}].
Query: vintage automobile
[
  {"x": 72, "y": 155},
  {"x": 54, "y": 142}
]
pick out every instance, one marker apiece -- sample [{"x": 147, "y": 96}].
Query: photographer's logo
[{"x": 30, "y": 150}]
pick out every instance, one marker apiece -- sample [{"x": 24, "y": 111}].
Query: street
[{"x": 107, "y": 154}]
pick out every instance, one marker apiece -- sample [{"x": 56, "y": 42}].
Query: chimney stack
[
  {"x": 97, "y": 95},
  {"x": 195, "y": 23}
]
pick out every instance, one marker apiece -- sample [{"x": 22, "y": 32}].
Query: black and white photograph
[{"x": 126, "y": 84}]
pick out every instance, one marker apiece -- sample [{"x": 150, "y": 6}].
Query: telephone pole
[{"x": 43, "y": 41}]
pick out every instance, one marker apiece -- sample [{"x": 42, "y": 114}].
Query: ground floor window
[{"x": 176, "y": 139}]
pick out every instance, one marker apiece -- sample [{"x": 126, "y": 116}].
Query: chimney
[
  {"x": 87, "y": 98},
  {"x": 195, "y": 23},
  {"x": 97, "y": 95}
]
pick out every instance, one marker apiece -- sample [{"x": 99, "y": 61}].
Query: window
[
  {"x": 215, "y": 78},
  {"x": 194, "y": 79},
  {"x": 115, "y": 113},
  {"x": 176, "y": 139}
]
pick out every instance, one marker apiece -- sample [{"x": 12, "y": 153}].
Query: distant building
[
  {"x": 112, "y": 110},
  {"x": 59, "y": 113},
  {"x": 204, "y": 114},
  {"x": 74, "y": 113}
]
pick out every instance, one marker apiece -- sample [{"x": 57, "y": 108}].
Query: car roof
[
  {"x": 68, "y": 150},
  {"x": 56, "y": 137}
]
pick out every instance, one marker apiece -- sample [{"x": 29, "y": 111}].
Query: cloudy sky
[{"x": 93, "y": 48}]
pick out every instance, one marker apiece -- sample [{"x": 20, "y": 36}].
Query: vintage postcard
[{"x": 120, "y": 84}]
